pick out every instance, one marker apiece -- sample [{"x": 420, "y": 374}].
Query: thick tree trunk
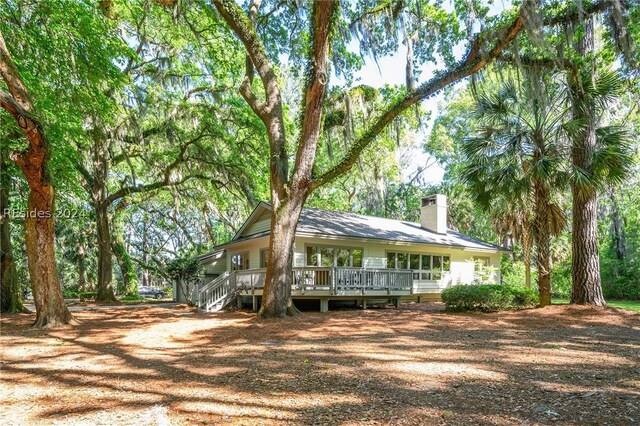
[
  {"x": 586, "y": 286},
  {"x": 543, "y": 243},
  {"x": 39, "y": 223},
  {"x": 276, "y": 300},
  {"x": 104, "y": 288},
  {"x": 41, "y": 255},
  {"x": 10, "y": 295}
]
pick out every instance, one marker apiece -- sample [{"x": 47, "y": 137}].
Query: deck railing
[{"x": 334, "y": 280}]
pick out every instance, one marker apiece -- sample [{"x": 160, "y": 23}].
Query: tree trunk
[
  {"x": 543, "y": 243},
  {"x": 10, "y": 295},
  {"x": 82, "y": 269},
  {"x": 39, "y": 223},
  {"x": 127, "y": 266},
  {"x": 276, "y": 299},
  {"x": 41, "y": 255},
  {"x": 586, "y": 284},
  {"x": 526, "y": 255},
  {"x": 104, "y": 288},
  {"x": 617, "y": 233}
]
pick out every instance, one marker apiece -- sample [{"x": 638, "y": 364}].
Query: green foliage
[
  {"x": 87, "y": 295},
  {"x": 513, "y": 272},
  {"x": 489, "y": 297},
  {"x": 131, "y": 297},
  {"x": 185, "y": 272},
  {"x": 561, "y": 278}
]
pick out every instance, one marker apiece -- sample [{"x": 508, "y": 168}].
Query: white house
[{"x": 346, "y": 256}]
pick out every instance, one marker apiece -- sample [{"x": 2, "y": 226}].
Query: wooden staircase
[{"x": 218, "y": 293}]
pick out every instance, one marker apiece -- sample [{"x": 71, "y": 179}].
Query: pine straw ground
[{"x": 417, "y": 365}]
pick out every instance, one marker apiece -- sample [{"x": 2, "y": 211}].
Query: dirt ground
[{"x": 416, "y": 365}]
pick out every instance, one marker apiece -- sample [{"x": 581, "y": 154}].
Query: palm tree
[{"x": 517, "y": 156}]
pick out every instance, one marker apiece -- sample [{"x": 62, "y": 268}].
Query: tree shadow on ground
[{"x": 556, "y": 365}]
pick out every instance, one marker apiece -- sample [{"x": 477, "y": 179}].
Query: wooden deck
[{"x": 363, "y": 285}]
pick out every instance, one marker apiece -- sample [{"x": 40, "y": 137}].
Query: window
[
  {"x": 425, "y": 266},
  {"x": 264, "y": 258},
  {"x": 334, "y": 256},
  {"x": 481, "y": 263},
  {"x": 240, "y": 261}
]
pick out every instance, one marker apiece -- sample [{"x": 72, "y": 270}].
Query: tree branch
[
  {"x": 165, "y": 181},
  {"x": 317, "y": 76},
  {"x": 473, "y": 62},
  {"x": 271, "y": 113}
]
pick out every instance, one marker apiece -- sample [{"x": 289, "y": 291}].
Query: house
[{"x": 346, "y": 256}]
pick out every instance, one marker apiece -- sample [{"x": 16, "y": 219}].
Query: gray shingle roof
[{"x": 326, "y": 222}]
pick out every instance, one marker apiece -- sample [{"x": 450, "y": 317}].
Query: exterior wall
[
  {"x": 216, "y": 266},
  {"x": 252, "y": 246},
  {"x": 462, "y": 270},
  {"x": 261, "y": 224}
]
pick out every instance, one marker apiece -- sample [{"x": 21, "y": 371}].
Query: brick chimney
[{"x": 433, "y": 213}]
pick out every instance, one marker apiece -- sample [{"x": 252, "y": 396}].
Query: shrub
[
  {"x": 489, "y": 297},
  {"x": 87, "y": 295},
  {"x": 131, "y": 297},
  {"x": 70, "y": 294}
]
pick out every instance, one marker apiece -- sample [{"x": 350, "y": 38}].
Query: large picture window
[
  {"x": 334, "y": 256},
  {"x": 240, "y": 261},
  {"x": 424, "y": 266}
]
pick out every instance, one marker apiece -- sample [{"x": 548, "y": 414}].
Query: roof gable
[{"x": 256, "y": 221}]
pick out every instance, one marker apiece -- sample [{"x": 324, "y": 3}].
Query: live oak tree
[
  {"x": 168, "y": 128},
  {"x": 53, "y": 60},
  {"x": 39, "y": 226},
  {"x": 291, "y": 188}
]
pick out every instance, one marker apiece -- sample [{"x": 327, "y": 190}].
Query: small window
[
  {"x": 481, "y": 263},
  {"x": 312, "y": 256},
  {"x": 343, "y": 257},
  {"x": 264, "y": 258},
  {"x": 446, "y": 263},
  {"x": 240, "y": 261}
]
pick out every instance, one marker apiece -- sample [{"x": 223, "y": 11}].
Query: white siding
[
  {"x": 261, "y": 224},
  {"x": 375, "y": 256},
  {"x": 216, "y": 266}
]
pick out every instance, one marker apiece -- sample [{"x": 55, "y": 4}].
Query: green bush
[
  {"x": 561, "y": 279},
  {"x": 70, "y": 294},
  {"x": 489, "y": 297},
  {"x": 131, "y": 297},
  {"x": 87, "y": 295},
  {"x": 168, "y": 291}
]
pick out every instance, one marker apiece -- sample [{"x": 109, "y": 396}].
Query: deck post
[
  {"x": 324, "y": 305},
  {"x": 254, "y": 303},
  {"x": 364, "y": 304},
  {"x": 397, "y": 303},
  {"x": 239, "y": 301}
]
